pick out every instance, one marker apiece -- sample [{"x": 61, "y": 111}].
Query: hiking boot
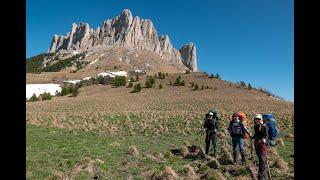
[
  {"x": 235, "y": 155},
  {"x": 243, "y": 157}
]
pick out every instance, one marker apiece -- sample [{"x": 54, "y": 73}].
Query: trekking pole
[
  {"x": 251, "y": 149},
  {"x": 269, "y": 174},
  {"x": 200, "y": 141},
  {"x": 225, "y": 140},
  {"x": 252, "y": 154}
]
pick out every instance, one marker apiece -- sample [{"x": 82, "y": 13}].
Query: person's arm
[
  {"x": 253, "y": 131},
  {"x": 266, "y": 133},
  {"x": 245, "y": 129},
  {"x": 217, "y": 124},
  {"x": 229, "y": 127},
  {"x": 205, "y": 123}
]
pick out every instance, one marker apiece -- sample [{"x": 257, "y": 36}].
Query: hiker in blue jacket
[{"x": 237, "y": 131}]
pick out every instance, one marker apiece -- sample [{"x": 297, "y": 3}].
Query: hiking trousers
[
  {"x": 211, "y": 137},
  {"x": 262, "y": 167},
  {"x": 238, "y": 142}
]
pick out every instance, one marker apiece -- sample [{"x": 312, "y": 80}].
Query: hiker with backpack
[
  {"x": 212, "y": 127},
  {"x": 261, "y": 144},
  {"x": 270, "y": 121},
  {"x": 237, "y": 130},
  {"x": 243, "y": 118}
]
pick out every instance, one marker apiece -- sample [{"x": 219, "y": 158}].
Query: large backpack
[
  {"x": 215, "y": 116},
  {"x": 215, "y": 113},
  {"x": 272, "y": 125},
  {"x": 243, "y": 118},
  {"x": 245, "y": 122},
  {"x": 236, "y": 128}
]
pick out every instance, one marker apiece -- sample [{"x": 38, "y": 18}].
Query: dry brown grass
[
  {"x": 280, "y": 164},
  {"x": 133, "y": 151},
  {"x": 280, "y": 142},
  {"x": 184, "y": 151},
  {"x": 273, "y": 152},
  {"x": 166, "y": 174},
  {"x": 154, "y": 109},
  {"x": 214, "y": 163},
  {"x": 112, "y": 111},
  {"x": 87, "y": 165},
  {"x": 289, "y": 135},
  {"x": 219, "y": 175},
  {"x": 169, "y": 173}
]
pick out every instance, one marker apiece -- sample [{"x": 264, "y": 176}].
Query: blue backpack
[{"x": 272, "y": 125}]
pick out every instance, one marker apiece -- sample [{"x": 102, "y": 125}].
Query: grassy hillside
[{"x": 91, "y": 134}]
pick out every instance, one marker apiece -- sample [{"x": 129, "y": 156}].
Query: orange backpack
[{"x": 245, "y": 121}]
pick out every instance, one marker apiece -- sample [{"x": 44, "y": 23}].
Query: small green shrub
[
  {"x": 46, "y": 96},
  {"x": 119, "y": 81},
  {"x": 136, "y": 88},
  {"x": 34, "y": 98},
  {"x": 150, "y": 82}
]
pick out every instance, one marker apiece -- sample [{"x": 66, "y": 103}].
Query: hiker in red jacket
[{"x": 261, "y": 144}]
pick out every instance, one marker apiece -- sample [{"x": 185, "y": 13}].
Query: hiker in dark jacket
[
  {"x": 261, "y": 144},
  {"x": 212, "y": 127},
  {"x": 237, "y": 131}
]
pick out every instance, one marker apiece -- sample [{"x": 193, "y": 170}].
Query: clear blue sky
[{"x": 248, "y": 40}]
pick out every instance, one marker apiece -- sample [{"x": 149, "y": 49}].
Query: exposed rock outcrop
[
  {"x": 189, "y": 57},
  {"x": 125, "y": 31}
]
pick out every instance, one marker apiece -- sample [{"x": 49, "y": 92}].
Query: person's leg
[
  {"x": 241, "y": 146},
  {"x": 262, "y": 167},
  {"x": 214, "y": 143},
  {"x": 207, "y": 143},
  {"x": 235, "y": 142}
]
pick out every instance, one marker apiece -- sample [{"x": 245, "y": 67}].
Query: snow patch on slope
[{"x": 38, "y": 89}]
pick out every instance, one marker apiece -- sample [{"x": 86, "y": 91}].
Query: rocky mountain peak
[{"x": 125, "y": 31}]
